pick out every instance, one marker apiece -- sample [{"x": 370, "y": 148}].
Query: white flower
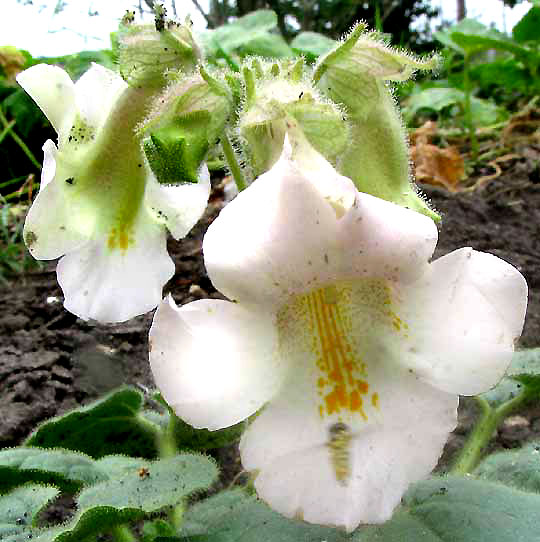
[
  {"x": 99, "y": 204},
  {"x": 356, "y": 344}
]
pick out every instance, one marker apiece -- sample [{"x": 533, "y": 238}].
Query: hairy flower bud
[
  {"x": 147, "y": 55},
  {"x": 185, "y": 122},
  {"x": 284, "y": 99},
  {"x": 355, "y": 75}
]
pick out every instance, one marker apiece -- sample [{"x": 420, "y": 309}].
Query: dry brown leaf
[{"x": 435, "y": 165}]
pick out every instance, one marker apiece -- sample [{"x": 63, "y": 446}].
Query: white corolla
[
  {"x": 355, "y": 344},
  {"x": 99, "y": 205}
]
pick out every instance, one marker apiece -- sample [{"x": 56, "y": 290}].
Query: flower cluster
[{"x": 349, "y": 343}]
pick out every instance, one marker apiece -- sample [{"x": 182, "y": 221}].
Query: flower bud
[
  {"x": 279, "y": 100},
  {"x": 377, "y": 158},
  {"x": 185, "y": 122},
  {"x": 146, "y": 54}
]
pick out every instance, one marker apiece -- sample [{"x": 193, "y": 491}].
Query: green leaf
[
  {"x": 115, "y": 466},
  {"x": 266, "y": 45},
  {"x": 236, "y": 516},
  {"x": 437, "y": 99},
  {"x": 65, "y": 469},
  {"x": 516, "y": 468},
  {"x": 157, "y": 529},
  {"x": 176, "y": 150},
  {"x": 505, "y": 390},
  {"x": 459, "y": 509},
  {"x": 78, "y": 63},
  {"x": 524, "y": 372},
  {"x": 189, "y": 438},
  {"x": 525, "y": 368},
  {"x": 153, "y": 485},
  {"x": 528, "y": 28},
  {"x": 312, "y": 44},
  {"x": 240, "y": 32},
  {"x": 473, "y": 44},
  {"x": 19, "y": 508},
  {"x": 107, "y": 426},
  {"x": 466, "y": 26},
  {"x": 134, "y": 495}
]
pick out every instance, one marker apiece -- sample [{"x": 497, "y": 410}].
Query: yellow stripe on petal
[
  {"x": 120, "y": 239},
  {"x": 336, "y": 318}
]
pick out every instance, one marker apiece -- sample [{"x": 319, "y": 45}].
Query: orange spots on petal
[{"x": 363, "y": 386}]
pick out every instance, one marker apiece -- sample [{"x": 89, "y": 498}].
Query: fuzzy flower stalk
[
  {"x": 350, "y": 342},
  {"x": 100, "y": 208}
]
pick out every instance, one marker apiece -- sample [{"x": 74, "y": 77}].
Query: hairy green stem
[
  {"x": 168, "y": 448},
  {"x": 122, "y": 533},
  {"x": 490, "y": 418},
  {"x": 18, "y": 140},
  {"x": 230, "y": 156}
]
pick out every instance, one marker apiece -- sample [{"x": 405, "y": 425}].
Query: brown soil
[{"x": 50, "y": 361}]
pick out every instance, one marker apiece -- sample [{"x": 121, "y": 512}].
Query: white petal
[
  {"x": 178, "y": 207},
  {"x": 467, "y": 313},
  {"x": 53, "y": 91},
  {"x": 48, "y": 170},
  {"x": 53, "y": 226},
  {"x": 289, "y": 232},
  {"x": 113, "y": 285},
  {"x": 214, "y": 362},
  {"x": 399, "y": 443},
  {"x": 96, "y": 92}
]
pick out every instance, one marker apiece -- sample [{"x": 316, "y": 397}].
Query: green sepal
[
  {"x": 145, "y": 55},
  {"x": 176, "y": 150},
  {"x": 279, "y": 100},
  {"x": 187, "y": 120},
  {"x": 377, "y": 157}
]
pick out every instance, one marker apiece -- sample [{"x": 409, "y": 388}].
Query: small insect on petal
[{"x": 339, "y": 446}]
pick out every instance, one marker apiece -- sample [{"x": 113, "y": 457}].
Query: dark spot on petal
[{"x": 70, "y": 180}]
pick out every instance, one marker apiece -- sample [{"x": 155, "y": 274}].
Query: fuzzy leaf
[
  {"x": 19, "y": 508},
  {"x": 459, "y": 509},
  {"x": 189, "y": 438},
  {"x": 515, "y": 468},
  {"x": 152, "y": 486},
  {"x": 524, "y": 372},
  {"x": 145, "y": 488},
  {"x": 107, "y": 426},
  {"x": 63, "y": 468},
  {"x": 236, "y": 516}
]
